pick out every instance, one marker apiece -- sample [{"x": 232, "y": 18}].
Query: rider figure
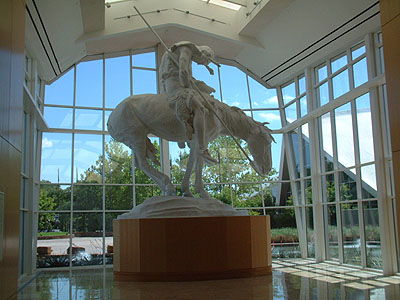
[{"x": 177, "y": 81}]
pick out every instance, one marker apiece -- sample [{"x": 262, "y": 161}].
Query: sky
[{"x": 93, "y": 109}]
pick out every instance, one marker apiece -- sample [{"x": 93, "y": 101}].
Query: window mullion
[
  {"x": 291, "y": 167},
  {"x": 385, "y": 203}
]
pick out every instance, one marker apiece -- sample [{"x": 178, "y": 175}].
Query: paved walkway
[{"x": 92, "y": 245}]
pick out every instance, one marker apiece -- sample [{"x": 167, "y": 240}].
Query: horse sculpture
[{"x": 137, "y": 116}]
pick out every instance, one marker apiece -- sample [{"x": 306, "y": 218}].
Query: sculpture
[
  {"x": 177, "y": 82},
  {"x": 185, "y": 112},
  {"x": 137, "y": 116}
]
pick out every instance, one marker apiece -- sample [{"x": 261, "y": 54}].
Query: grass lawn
[{"x": 52, "y": 233}]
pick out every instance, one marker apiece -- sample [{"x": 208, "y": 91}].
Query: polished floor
[{"x": 291, "y": 279}]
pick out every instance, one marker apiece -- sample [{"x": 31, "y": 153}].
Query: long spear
[{"x": 205, "y": 102}]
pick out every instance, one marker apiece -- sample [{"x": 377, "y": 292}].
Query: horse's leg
[
  {"x": 199, "y": 187},
  {"x": 185, "y": 185},
  {"x": 161, "y": 179}
]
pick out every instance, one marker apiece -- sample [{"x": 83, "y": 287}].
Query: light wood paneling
[
  {"x": 260, "y": 244},
  {"x": 389, "y": 10},
  {"x": 12, "y": 28},
  {"x": 391, "y": 47},
  {"x": 191, "y": 248},
  {"x": 10, "y": 184},
  {"x": 390, "y": 18},
  {"x": 396, "y": 174},
  {"x": 238, "y": 240},
  {"x": 151, "y": 245},
  {"x": 5, "y": 65},
  {"x": 17, "y": 74}
]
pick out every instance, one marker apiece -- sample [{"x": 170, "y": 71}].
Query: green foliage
[
  {"x": 46, "y": 220},
  {"x": 247, "y": 189}
]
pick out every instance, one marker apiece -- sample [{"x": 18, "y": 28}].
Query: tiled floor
[{"x": 291, "y": 279}]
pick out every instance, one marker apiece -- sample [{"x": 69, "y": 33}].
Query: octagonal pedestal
[{"x": 198, "y": 248}]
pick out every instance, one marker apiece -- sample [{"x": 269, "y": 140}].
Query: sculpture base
[{"x": 199, "y": 248}]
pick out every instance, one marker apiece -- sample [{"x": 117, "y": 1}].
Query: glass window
[
  {"x": 322, "y": 72},
  {"x": 296, "y": 147},
  {"x": 360, "y": 72},
  {"x": 291, "y": 112},
  {"x": 87, "y": 243},
  {"x": 61, "y": 91},
  {"x": 88, "y": 197},
  {"x": 144, "y": 60},
  {"x": 344, "y": 136},
  {"x": 372, "y": 234},
  {"x": 144, "y": 82},
  {"x": 308, "y": 186},
  {"x": 347, "y": 185},
  {"x": 56, "y": 225},
  {"x": 329, "y": 187},
  {"x": 306, "y": 149},
  {"x": 338, "y": 63},
  {"x": 340, "y": 84},
  {"x": 273, "y": 117},
  {"x": 261, "y": 97},
  {"x": 234, "y": 87},
  {"x": 109, "y": 240},
  {"x": 368, "y": 182},
  {"x": 331, "y": 231},
  {"x": 357, "y": 52},
  {"x": 302, "y": 85},
  {"x": 323, "y": 92},
  {"x": 88, "y": 160},
  {"x": 284, "y": 235},
  {"x": 107, "y": 114},
  {"x": 117, "y": 162},
  {"x": 351, "y": 234},
  {"x": 326, "y": 133},
  {"x": 56, "y": 157},
  {"x": 289, "y": 93},
  {"x": 89, "y": 84},
  {"x": 88, "y": 119},
  {"x": 119, "y": 197},
  {"x": 57, "y": 117},
  {"x": 381, "y": 61},
  {"x": 118, "y": 81},
  {"x": 276, "y": 149},
  {"x": 310, "y": 232},
  {"x": 303, "y": 106},
  {"x": 364, "y": 124},
  {"x": 54, "y": 197}
]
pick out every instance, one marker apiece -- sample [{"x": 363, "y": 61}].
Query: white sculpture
[
  {"x": 177, "y": 81},
  {"x": 137, "y": 116},
  {"x": 180, "y": 114}
]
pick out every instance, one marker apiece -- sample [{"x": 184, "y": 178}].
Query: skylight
[{"x": 235, "y": 5}]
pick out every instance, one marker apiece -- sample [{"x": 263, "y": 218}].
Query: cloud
[
  {"x": 46, "y": 143},
  {"x": 235, "y": 103},
  {"x": 269, "y": 117},
  {"x": 271, "y": 100}
]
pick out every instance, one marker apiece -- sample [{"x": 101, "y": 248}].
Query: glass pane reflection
[
  {"x": 87, "y": 243},
  {"x": 372, "y": 234},
  {"x": 351, "y": 234}
]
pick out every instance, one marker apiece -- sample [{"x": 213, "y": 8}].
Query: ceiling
[{"x": 271, "y": 39}]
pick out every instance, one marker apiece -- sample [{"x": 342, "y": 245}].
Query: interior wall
[
  {"x": 390, "y": 18},
  {"x": 12, "y": 42}
]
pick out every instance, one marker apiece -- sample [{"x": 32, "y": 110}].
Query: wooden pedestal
[{"x": 201, "y": 248}]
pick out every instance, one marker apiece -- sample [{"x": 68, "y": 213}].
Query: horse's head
[{"x": 259, "y": 143}]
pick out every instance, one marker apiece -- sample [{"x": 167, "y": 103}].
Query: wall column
[
  {"x": 12, "y": 47},
  {"x": 390, "y": 19}
]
